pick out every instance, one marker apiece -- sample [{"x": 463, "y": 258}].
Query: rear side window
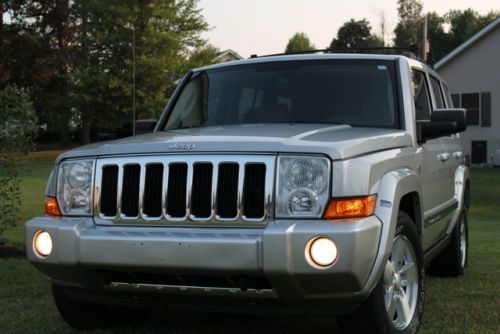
[
  {"x": 421, "y": 96},
  {"x": 438, "y": 95},
  {"x": 447, "y": 96}
]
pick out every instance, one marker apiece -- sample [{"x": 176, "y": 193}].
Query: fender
[
  {"x": 462, "y": 175},
  {"x": 392, "y": 187}
]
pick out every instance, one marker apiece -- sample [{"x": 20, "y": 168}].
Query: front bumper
[{"x": 82, "y": 252}]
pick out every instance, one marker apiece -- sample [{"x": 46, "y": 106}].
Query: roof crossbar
[{"x": 412, "y": 49}]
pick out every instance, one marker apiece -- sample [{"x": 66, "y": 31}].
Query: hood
[{"x": 336, "y": 141}]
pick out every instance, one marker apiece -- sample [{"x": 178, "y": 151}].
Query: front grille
[{"x": 194, "y": 189}]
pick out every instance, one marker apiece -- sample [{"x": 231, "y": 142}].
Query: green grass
[{"x": 469, "y": 304}]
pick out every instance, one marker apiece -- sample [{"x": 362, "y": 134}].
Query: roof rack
[{"x": 411, "y": 51}]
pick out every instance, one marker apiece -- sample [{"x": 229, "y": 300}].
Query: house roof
[
  {"x": 468, "y": 43},
  {"x": 234, "y": 54}
]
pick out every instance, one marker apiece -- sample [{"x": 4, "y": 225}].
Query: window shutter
[
  {"x": 486, "y": 109},
  {"x": 456, "y": 100}
]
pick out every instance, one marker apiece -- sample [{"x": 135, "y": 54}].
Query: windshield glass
[{"x": 358, "y": 93}]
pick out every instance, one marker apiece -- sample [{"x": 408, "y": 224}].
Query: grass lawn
[{"x": 470, "y": 304}]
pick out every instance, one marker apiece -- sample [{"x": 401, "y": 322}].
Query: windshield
[{"x": 358, "y": 93}]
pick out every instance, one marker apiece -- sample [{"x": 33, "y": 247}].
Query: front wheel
[{"x": 397, "y": 302}]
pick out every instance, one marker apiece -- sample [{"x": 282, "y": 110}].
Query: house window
[
  {"x": 478, "y": 106},
  {"x": 471, "y": 103}
]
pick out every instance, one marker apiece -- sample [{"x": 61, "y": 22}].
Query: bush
[{"x": 18, "y": 127}]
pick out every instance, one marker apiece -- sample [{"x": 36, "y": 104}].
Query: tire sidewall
[
  {"x": 462, "y": 221},
  {"x": 406, "y": 227}
]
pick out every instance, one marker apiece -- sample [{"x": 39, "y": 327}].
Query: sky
[{"x": 264, "y": 26}]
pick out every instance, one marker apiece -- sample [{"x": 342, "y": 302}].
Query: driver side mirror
[{"x": 444, "y": 122}]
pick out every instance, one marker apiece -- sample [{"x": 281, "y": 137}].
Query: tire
[
  {"x": 453, "y": 260},
  {"x": 82, "y": 315},
  {"x": 395, "y": 286}
]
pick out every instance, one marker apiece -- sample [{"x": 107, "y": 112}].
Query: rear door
[{"x": 433, "y": 166}]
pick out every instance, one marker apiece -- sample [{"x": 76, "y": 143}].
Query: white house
[
  {"x": 227, "y": 55},
  {"x": 472, "y": 71}
]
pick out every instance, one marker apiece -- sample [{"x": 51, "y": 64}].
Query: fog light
[
  {"x": 42, "y": 243},
  {"x": 321, "y": 252}
]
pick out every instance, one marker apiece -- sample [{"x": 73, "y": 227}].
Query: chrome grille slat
[
  {"x": 189, "y": 184},
  {"x": 142, "y": 183},
  {"x": 241, "y": 180},
  {"x": 119, "y": 192},
  {"x": 166, "y": 171},
  {"x": 215, "y": 181},
  {"x": 175, "y": 182}
]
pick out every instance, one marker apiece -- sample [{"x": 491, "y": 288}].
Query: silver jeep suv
[{"x": 320, "y": 184}]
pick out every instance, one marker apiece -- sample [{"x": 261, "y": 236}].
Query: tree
[
  {"x": 383, "y": 25},
  {"x": 464, "y": 24},
  {"x": 356, "y": 34},
  {"x": 439, "y": 40},
  {"x": 298, "y": 43},
  {"x": 165, "y": 32},
  {"x": 75, "y": 57},
  {"x": 202, "y": 56},
  {"x": 18, "y": 127},
  {"x": 37, "y": 43},
  {"x": 409, "y": 28}
]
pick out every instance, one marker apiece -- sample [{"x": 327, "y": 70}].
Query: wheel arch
[
  {"x": 462, "y": 194},
  {"x": 396, "y": 188},
  {"x": 411, "y": 204}
]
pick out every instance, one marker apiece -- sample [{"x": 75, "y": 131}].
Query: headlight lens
[
  {"x": 74, "y": 187},
  {"x": 302, "y": 187}
]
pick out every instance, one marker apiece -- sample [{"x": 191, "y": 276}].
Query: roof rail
[{"x": 411, "y": 51}]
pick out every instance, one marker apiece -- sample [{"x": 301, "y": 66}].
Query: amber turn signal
[
  {"x": 353, "y": 207},
  {"x": 51, "y": 207}
]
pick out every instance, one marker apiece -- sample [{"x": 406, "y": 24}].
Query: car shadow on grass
[{"x": 163, "y": 321}]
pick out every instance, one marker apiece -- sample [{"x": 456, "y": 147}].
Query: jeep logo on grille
[{"x": 181, "y": 147}]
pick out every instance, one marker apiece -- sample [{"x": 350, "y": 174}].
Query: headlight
[
  {"x": 74, "y": 187},
  {"x": 302, "y": 187}
]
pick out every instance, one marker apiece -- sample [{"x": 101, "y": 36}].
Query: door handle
[
  {"x": 458, "y": 154},
  {"x": 443, "y": 156}
]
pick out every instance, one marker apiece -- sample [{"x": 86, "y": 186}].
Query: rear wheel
[
  {"x": 453, "y": 259},
  {"x": 396, "y": 303}
]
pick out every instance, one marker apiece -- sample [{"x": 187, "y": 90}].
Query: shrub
[{"x": 18, "y": 127}]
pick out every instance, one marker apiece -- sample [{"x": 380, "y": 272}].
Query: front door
[{"x": 433, "y": 166}]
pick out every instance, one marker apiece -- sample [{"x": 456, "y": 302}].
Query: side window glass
[
  {"x": 421, "y": 95},
  {"x": 438, "y": 96},
  {"x": 447, "y": 96}
]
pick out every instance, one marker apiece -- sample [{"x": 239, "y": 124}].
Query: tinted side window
[
  {"x": 438, "y": 96},
  {"x": 447, "y": 96},
  {"x": 421, "y": 95}
]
